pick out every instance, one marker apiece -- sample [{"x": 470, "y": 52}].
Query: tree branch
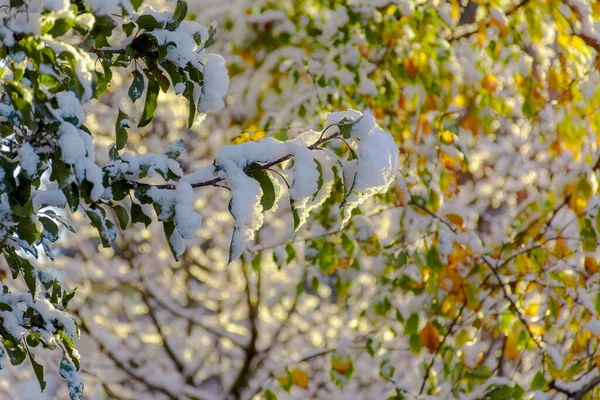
[
  {"x": 250, "y": 350},
  {"x": 214, "y": 181}
]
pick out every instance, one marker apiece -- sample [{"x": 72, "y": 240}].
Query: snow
[
  {"x": 29, "y": 160},
  {"x": 245, "y": 207},
  {"x": 48, "y": 198},
  {"x": 377, "y": 153},
  {"x": 179, "y": 88},
  {"x": 594, "y": 326},
  {"x": 88, "y": 170},
  {"x": 187, "y": 220},
  {"x": 69, "y": 106},
  {"x": 216, "y": 83},
  {"x": 56, "y": 5},
  {"x": 555, "y": 356},
  {"x": 373, "y": 173},
  {"x": 107, "y": 7},
  {"x": 71, "y": 145},
  {"x": 200, "y": 175},
  {"x": 183, "y": 49}
]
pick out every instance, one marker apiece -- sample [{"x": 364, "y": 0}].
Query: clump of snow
[
  {"x": 69, "y": 106},
  {"x": 71, "y": 145},
  {"x": 216, "y": 83},
  {"x": 29, "y": 160}
]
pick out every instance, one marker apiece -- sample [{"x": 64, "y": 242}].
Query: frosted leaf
[
  {"x": 3, "y": 359},
  {"x": 74, "y": 381}
]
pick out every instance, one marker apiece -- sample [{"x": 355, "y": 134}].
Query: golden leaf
[
  {"x": 511, "y": 348},
  {"x": 450, "y": 280},
  {"x": 455, "y": 219},
  {"x": 300, "y": 378}
]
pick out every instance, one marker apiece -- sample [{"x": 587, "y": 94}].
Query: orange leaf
[
  {"x": 591, "y": 266},
  {"x": 430, "y": 337}
]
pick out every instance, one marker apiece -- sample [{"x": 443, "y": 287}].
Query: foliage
[
  {"x": 475, "y": 275},
  {"x": 49, "y": 162}
]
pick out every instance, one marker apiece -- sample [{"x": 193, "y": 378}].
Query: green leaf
[
  {"x": 136, "y": 4},
  {"x": 71, "y": 192},
  {"x": 138, "y": 215},
  {"x": 68, "y": 345},
  {"x": 268, "y": 197},
  {"x": 179, "y": 14},
  {"x": 269, "y": 395},
  {"x": 401, "y": 260},
  {"x": 415, "y": 343},
  {"x": 67, "y": 296},
  {"x": 33, "y": 339},
  {"x": 539, "y": 382},
  {"x": 433, "y": 259},
  {"x": 348, "y": 245},
  {"x": 169, "y": 228},
  {"x": 106, "y": 229},
  {"x": 16, "y": 353},
  {"x": 148, "y": 22},
  {"x": 256, "y": 263},
  {"x": 137, "y": 86},
  {"x": 122, "y": 215},
  {"x": 38, "y": 369},
  {"x": 291, "y": 253},
  {"x": 151, "y": 101},
  {"x": 27, "y": 230},
  {"x": 412, "y": 324},
  {"x": 120, "y": 129},
  {"x": 30, "y": 276},
  {"x": 327, "y": 257},
  {"x": 345, "y": 127},
  {"x": 18, "y": 264},
  {"x": 212, "y": 31},
  {"x": 128, "y": 27},
  {"x": 61, "y": 26}
]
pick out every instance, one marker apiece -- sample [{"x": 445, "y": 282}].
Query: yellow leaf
[
  {"x": 300, "y": 378},
  {"x": 455, "y": 14},
  {"x": 447, "y": 136},
  {"x": 523, "y": 263},
  {"x": 511, "y": 348},
  {"x": 455, "y": 219},
  {"x": 430, "y": 337},
  {"x": 537, "y": 329},
  {"x": 532, "y": 310}
]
